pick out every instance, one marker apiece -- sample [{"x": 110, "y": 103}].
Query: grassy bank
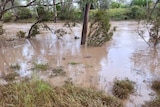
[{"x": 41, "y": 94}]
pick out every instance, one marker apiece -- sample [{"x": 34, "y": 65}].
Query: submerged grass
[
  {"x": 40, "y": 67},
  {"x": 156, "y": 86},
  {"x": 155, "y": 102},
  {"x": 122, "y": 89},
  {"x": 73, "y": 63},
  {"x": 57, "y": 72},
  {"x": 41, "y": 94},
  {"x": 10, "y": 76},
  {"x": 15, "y": 67}
]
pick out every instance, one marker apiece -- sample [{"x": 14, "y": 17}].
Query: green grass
[
  {"x": 122, "y": 88},
  {"x": 73, "y": 63},
  {"x": 41, "y": 94},
  {"x": 40, "y": 67}
]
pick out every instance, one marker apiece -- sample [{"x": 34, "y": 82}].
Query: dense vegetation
[
  {"x": 116, "y": 10},
  {"x": 134, "y": 12}
]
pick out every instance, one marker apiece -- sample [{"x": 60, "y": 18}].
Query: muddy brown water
[{"x": 125, "y": 56}]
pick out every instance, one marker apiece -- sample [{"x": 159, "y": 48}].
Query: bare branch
[{"x": 29, "y": 4}]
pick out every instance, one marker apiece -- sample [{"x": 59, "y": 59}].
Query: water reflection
[{"x": 125, "y": 56}]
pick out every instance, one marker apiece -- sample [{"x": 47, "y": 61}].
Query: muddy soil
[{"x": 125, "y": 56}]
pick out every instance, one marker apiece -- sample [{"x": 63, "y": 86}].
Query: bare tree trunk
[
  {"x": 55, "y": 11},
  {"x": 1, "y": 16},
  {"x": 85, "y": 23}
]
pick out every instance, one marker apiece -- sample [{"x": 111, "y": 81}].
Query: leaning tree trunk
[
  {"x": 85, "y": 23},
  {"x": 0, "y": 17},
  {"x": 30, "y": 33},
  {"x": 55, "y": 11}
]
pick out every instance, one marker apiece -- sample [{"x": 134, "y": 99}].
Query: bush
[
  {"x": 115, "y": 5},
  {"x": 119, "y": 14},
  {"x": 123, "y": 88},
  {"x": 21, "y": 34},
  {"x": 99, "y": 29},
  {"x": 153, "y": 103},
  {"x": 24, "y": 13},
  {"x": 137, "y": 12},
  {"x": 71, "y": 14},
  {"x": 7, "y": 17},
  {"x": 156, "y": 86},
  {"x": 44, "y": 15}
]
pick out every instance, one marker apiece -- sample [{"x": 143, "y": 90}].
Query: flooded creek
[{"x": 125, "y": 56}]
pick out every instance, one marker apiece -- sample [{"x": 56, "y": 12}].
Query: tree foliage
[
  {"x": 99, "y": 29},
  {"x": 141, "y": 3},
  {"x": 24, "y": 13}
]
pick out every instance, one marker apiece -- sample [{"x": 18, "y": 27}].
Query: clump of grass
[
  {"x": 15, "y": 67},
  {"x": 73, "y": 63},
  {"x": 122, "y": 89},
  {"x": 10, "y": 76},
  {"x": 21, "y": 34},
  {"x": 40, "y": 67},
  {"x": 153, "y": 103},
  {"x": 156, "y": 86},
  {"x": 26, "y": 94},
  {"x": 57, "y": 72},
  {"x": 41, "y": 94}
]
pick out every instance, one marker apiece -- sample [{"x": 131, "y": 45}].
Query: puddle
[{"x": 125, "y": 56}]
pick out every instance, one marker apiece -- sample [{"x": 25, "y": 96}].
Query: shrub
[
  {"x": 123, "y": 88},
  {"x": 21, "y": 34},
  {"x": 119, "y": 14},
  {"x": 44, "y": 15},
  {"x": 7, "y": 17},
  {"x": 155, "y": 102},
  {"x": 156, "y": 86},
  {"x": 152, "y": 103},
  {"x": 71, "y": 14},
  {"x": 115, "y": 5},
  {"x": 24, "y": 13},
  {"x": 99, "y": 29},
  {"x": 137, "y": 12}
]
